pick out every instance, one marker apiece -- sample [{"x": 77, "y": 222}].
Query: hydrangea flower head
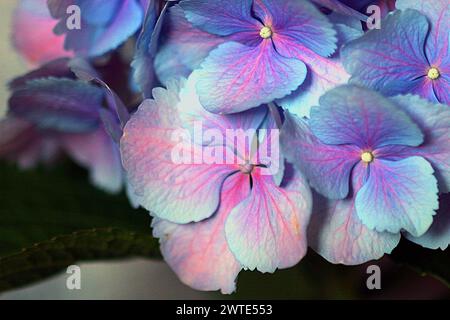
[
  {"x": 213, "y": 218},
  {"x": 409, "y": 54}
]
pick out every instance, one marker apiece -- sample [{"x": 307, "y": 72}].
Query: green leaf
[
  {"x": 39, "y": 205},
  {"x": 49, "y": 257},
  {"x": 425, "y": 261}
]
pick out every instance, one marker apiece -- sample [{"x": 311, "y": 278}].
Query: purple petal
[
  {"x": 222, "y": 18},
  {"x": 142, "y": 64},
  {"x": 438, "y": 236},
  {"x": 354, "y": 115},
  {"x": 392, "y": 59},
  {"x": 343, "y": 8},
  {"x": 105, "y": 24},
  {"x": 323, "y": 75},
  {"x": 434, "y": 120},
  {"x": 339, "y": 236},
  {"x": 178, "y": 191},
  {"x": 58, "y": 68},
  {"x": 438, "y": 13},
  {"x": 85, "y": 72},
  {"x": 198, "y": 252},
  {"x": 299, "y": 24},
  {"x": 235, "y": 77},
  {"x": 441, "y": 86},
  {"x": 100, "y": 155},
  {"x": 60, "y": 104},
  {"x": 267, "y": 230},
  {"x": 327, "y": 167},
  {"x": 183, "y": 47},
  {"x": 398, "y": 195}
]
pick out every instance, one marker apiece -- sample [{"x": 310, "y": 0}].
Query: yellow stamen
[
  {"x": 433, "y": 73},
  {"x": 266, "y": 32},
  {"x": 367, "y": 157}
]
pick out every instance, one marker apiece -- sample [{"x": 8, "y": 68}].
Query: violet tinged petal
[
  {"x": 323, "y": 74},
  {"x": 398, "y": 195},
  {"x": 441, "y": 86},
  {"x": 434, "y": 120},
  {"x": 326, "y": 167},
  {"x": 222, "y": 18},
  {"x": 142, "y": 64},
  {"x": 183, "y": 47},
  {"x": 345, "y": 7},
  {"x": 105, "y": 24},
  {"x": 438, "y": 14},
  {"x": 392, "y": 59},
  {"x": 85, "y": 72},
  {"x": 438, "y": 236},
  {"x": 58, "y": 68},
  {"x": 59, "y": 104},
  {"x": 235, "y": 77},
  {"x": 359, "y": 116},
  {"x": 299, "y": 24}
]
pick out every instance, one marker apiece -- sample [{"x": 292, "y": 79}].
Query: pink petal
[
  {"x": 198, "y": 252},
  {"x": 267, "y": 230}
]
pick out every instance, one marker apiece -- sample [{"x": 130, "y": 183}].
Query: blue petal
[
  {"x": 399, "y": 195},
  {"x": 96, "y": 38},
  {"x": 392, "y": 59},
  {"x": 438, "y": 236},
  {"x": 434, "y": 120},
  {"x": 327, "y": 167},
  {"x": 221, "y": 18},
  {"x": 182, "y": 47},
  {"x": 143, "y": 74},
  {"x": 354, "y": 115},
  {"x": 235, "y": 77}
]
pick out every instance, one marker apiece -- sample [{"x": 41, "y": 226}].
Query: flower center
[
  {"x": 367, "y": 157},
  {"x": 266, "y": 32},
  {"x": 246, "y": 168},
  {"x": 433, "y": 73}
]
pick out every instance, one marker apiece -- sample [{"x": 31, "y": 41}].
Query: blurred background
[{"x": 150, "y": 279}]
